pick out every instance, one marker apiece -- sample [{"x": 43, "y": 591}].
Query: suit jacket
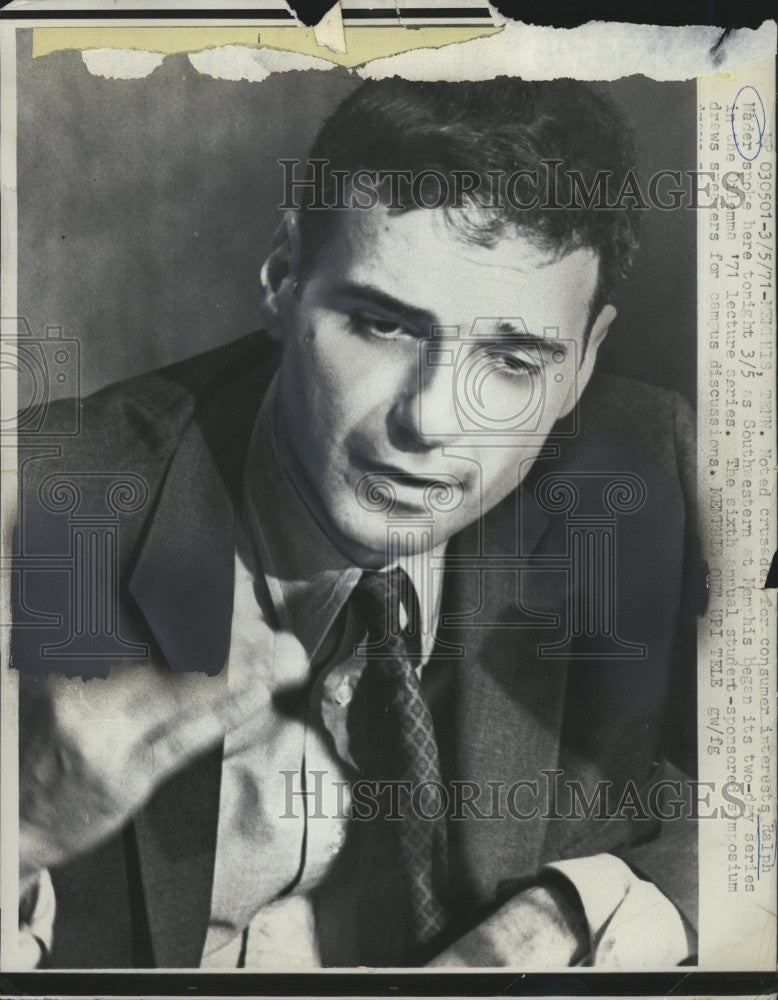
[{"x": 561, "y": 669}]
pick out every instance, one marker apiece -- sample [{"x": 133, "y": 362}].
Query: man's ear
[
  {"x": 278, "y": 276},
  {"x": 597, "y": 335}
]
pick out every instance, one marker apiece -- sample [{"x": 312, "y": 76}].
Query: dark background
[
  {"x": 146, "y": 208},
  {"x": 564, "y": 14}
]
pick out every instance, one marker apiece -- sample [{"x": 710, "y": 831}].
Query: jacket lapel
[
  {"x": 183, "y": 578},
  {"x": 183, "y": 582},
  {"x": 176, "y": 842}
]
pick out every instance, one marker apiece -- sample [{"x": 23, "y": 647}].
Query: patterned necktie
[{"x": 393, "y": 740}]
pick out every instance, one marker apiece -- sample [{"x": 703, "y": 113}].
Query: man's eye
[{"x": 378, "y": 326}]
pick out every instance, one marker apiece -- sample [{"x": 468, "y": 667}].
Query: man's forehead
[
  {"x": 456, "y": 229},
  {"x": 425, "y": 259},
  {"x": 385, "y": 235}
]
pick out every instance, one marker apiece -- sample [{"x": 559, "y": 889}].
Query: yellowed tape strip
[{"x": 362, "y": 43}]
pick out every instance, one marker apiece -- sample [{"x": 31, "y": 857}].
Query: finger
[{"x": 199, "y": 729}]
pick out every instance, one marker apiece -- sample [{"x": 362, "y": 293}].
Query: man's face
[{"x": 376, "y": 401}]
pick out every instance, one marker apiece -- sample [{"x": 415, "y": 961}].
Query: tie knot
[{"x": 389, "y": 607}]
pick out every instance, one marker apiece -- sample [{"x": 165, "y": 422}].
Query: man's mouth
[
  {"x": 383, "y": 487},
  {"x": 378, "y": 471}
]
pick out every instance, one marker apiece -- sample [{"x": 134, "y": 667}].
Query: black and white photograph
[{"x": 365, "y": 570}]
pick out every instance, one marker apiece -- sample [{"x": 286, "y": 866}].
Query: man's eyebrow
[
  {"x": 523, "y": 336},
  {"x": 369, "y": 293}
]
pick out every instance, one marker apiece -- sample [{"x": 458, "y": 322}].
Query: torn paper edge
[{"x": 594, "y": 51}]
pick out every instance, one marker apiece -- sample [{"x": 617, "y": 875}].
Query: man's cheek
[{"x": 501, "y": 480}]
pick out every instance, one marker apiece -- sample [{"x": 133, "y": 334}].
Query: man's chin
[{"x": 396, "y": 539}]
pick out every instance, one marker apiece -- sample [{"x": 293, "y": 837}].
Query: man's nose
[{"x": 425, "y": 415}]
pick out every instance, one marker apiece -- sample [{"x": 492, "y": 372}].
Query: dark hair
[{"x": 502, "y": 125}]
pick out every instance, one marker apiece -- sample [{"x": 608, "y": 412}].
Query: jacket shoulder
[
  {"x": 144, "y": 416},
  {"x": 649, "y": 420},
  {"x": 631, "y": 403}
]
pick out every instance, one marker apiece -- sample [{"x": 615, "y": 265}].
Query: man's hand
[
  {"x": 537, "y": 929},
  {"x": 92, "y": 753}
]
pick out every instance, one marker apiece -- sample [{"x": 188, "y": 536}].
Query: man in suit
[{"x": 404, "y": 549}]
